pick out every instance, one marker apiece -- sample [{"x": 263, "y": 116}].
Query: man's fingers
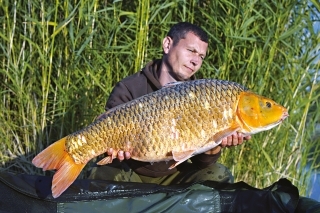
[
  {"x": 235, "y": 139},
  {"x": 127, "y": 155},
  {"x": 248, "y": 137},
  {"x": 224, "y": 142},
  {"x": 120, "y": 155},
  {"x": 230, "y": 140},
  {"x": 239, "y": 138},
  {"x": 110, "y": 151}
]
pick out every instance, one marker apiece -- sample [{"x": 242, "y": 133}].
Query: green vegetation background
[{"x": 60, "y": 60}]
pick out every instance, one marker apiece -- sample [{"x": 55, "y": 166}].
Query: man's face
[{"x": 185, "y": 58}]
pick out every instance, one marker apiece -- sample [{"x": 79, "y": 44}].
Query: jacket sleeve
[
  {"x": 203, "y": 160},
  {"x": 119, "y": 95}
]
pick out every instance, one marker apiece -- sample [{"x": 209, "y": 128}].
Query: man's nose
[{"x": 195, "y": 60}]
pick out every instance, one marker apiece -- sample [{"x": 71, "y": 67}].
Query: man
[{"x": 184, "y": 49}]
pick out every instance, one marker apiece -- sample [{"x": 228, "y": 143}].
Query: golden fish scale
[{"x": 180, "y": 117}]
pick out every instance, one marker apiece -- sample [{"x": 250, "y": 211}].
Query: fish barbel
[{"x": 176, "y": 122}]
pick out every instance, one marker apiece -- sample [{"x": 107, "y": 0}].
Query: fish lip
[{"x": 284, "y": 116}]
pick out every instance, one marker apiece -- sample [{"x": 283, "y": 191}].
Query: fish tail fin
[{"x": 56, "y": 157}]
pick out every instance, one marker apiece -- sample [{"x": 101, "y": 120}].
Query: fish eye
[{"x": 268, "y": 104}]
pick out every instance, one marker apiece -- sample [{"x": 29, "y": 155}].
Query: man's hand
[
  {"x": 232, "y": 140},
  {"x": 121, "y": 155}
]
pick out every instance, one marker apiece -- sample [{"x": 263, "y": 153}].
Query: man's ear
[{"x": 166, "y": 44}]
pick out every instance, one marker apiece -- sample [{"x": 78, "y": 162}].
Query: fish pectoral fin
[
  {"x": 180, "y": 157},
  {"x": 109, "y": 158},
  {"x": 56, "y": 157},
  {"x": 222, "y": 134},
  {"x": 105, "y": 161}
]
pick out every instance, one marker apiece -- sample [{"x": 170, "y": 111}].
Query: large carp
[{"x": 175, "y": 122}]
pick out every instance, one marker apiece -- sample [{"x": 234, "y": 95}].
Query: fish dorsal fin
[
  {"x": 217, "y": 138},
  {"x": 181, "y": 157},
  {"x": 172, "y": 84}
]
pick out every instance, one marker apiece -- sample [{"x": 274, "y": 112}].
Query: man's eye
[{"x": 194, "y": 51}]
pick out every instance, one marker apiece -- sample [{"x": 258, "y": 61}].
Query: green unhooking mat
[{"x": 30, "y": 193}]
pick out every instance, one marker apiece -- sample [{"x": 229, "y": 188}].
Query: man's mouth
[{"x": 190, "y": 69}]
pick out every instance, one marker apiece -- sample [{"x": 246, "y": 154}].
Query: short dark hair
[{"x": 179, "y": 31}]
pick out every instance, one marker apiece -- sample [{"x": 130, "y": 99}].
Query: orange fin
[
  {"x": 220, "y": 135},
  {"x": 181, "y": 157},
  {"x": 105, "y": 161},
  {"x": 109, "y": 158},
  {"x": 56, "y": 157}
]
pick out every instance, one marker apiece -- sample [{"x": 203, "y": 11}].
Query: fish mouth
[{"x": 284, "y": 116}]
